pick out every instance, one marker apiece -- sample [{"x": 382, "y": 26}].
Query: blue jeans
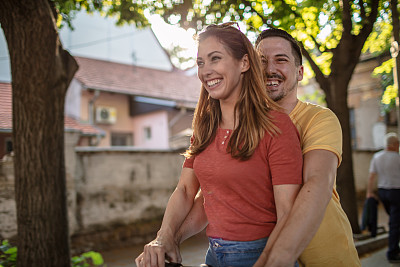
[
  {"x": 391, "y": 201},
  {"x": 223, "y": 253}
]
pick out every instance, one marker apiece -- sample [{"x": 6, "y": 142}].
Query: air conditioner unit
[{"x": 107, "y": 115}]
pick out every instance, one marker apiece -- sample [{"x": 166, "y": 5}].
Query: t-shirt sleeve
[
  {"x": 284, "y": 153},
  {"x": 324, "y": 133},
  {"x": 188, "y": 163}
]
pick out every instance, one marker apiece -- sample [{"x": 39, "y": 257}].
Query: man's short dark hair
[{"x": 273, "y": 32}]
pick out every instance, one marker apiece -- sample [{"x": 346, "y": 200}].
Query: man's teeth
[
  {"x": 272, "y": 83},
  {"x": 213, "y": 82}
]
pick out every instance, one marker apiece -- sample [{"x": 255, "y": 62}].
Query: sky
[{"x": 173, "y": 35}]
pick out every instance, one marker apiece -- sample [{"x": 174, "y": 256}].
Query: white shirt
[{"x": 387, "y": 165}]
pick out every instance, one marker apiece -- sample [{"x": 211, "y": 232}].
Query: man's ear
[
  {"x": 245, "y": 63},
  {"x": 300, "y": 73}
]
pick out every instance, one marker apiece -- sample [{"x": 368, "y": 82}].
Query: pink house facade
[{"x": 133, "y": 106}]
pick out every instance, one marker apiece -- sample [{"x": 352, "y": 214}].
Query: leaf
[{"x": 96, "y": 257}]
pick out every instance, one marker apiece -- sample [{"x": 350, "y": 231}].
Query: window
[
  {"x": 147, "y": 133},
  {"x": 121, "y": 139},
  {"x": 9, "y": 145}
]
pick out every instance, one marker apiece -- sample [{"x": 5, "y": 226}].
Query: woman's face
[{"x": 219, "y": 71}]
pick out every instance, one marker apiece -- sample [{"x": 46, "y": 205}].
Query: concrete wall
[
  {"x": 361, "y": 160},
  {"x": 118, "y": 196},
  {"x": 113, "y": 195}
]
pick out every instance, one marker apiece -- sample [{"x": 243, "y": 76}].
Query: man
[
  {"x": 317, "y": 231},
  {"x": 385, "y": 165}
]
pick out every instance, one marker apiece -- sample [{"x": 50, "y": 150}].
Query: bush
[{"x": 8, "y": 257}]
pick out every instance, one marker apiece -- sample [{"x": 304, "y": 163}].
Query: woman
[{"x": 244, "y": 154}]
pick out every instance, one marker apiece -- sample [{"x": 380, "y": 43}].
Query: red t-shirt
[{"x": 238, "y": 195}]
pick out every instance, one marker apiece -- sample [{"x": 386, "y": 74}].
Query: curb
[{"x": 372, "y": 244}]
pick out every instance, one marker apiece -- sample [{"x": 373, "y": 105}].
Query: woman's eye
[
  {"x": 215, "y": 58},
  {"x": 200, "y": 63}
]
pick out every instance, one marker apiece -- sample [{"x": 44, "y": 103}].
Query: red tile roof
[
  {"x": 6, "y": 115},
  {"x": 72, "y": 124},
  {"x": 134, "y": 80},
  {"x": 5, "y": 107}
]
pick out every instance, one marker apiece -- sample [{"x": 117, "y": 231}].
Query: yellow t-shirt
[{"x": 332, "y": 245}]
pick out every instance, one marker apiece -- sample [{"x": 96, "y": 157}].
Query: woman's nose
[{"x": 207, "y": 69}]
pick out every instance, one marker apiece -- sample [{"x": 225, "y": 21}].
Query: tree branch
[
  {"x": 369, "y": 23},
  {"x": 363, "y": 14},
  {"x": 346, "y": 20},
  {"x": 319, "y": 76}
]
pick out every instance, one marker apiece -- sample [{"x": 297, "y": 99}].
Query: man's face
[{"x": 281, "y": 72}]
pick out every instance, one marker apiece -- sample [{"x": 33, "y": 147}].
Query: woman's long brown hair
[{"x": 252, "y": 107}]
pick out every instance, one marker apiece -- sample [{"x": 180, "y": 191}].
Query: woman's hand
[{"x": 164, "y": 247}]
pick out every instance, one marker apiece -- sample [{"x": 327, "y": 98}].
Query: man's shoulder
[
  {"x": 311, "y": 108},
  {"x": 385, "y": 153},
  {"x": 379, "y": 155},
  {"x": 312, "y": 113}
]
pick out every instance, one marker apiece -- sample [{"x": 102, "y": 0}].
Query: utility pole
[{"x": 394, "y": 52}]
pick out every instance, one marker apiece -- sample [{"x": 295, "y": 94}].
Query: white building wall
[
  {"x": 366, "y": 117},
  {"x": 73, "y": 99},
  {"x": 98, "y": 37},
  {"x": 5, "y": 69},
  {"x": 158, "y": 123}
]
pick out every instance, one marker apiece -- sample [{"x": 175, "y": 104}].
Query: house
[
  {"x": 134, "y": 106},
  {"x": 126, "y": 86},
  {"x": 85, "y": 131}
]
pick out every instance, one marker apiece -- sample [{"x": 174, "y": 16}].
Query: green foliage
[
  {"x": 87, "y": 259},
  {"x": 379, "y": 39},
  {"x": 389, "y": 96},
  {"x": 126, "y": 11},
  {"x": 8, "y": 254},
  {"x": 317, "y": 98},
  {"x": 385, "y": 73},
  {"x": 318, "y": 25},
  {"x": 8, "y": 257},
  {"x": 385, "y": 68}
]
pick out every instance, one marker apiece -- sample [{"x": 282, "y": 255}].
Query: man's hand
[{"x": 157, "y": 251}]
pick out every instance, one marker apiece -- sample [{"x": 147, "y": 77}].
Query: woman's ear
[{"x": 245, "y": 63}]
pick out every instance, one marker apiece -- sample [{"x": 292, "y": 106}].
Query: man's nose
[{"x": 270, "y": 68}]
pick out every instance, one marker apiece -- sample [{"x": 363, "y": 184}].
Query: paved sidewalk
[{"x": 377, "y": 259}]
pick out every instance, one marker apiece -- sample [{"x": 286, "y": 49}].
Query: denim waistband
[{"x": 221, "y": 245}]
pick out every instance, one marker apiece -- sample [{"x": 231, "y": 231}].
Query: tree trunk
[
  {"x": 41, "y": 72},
  {"x": 339, "y": 81}
]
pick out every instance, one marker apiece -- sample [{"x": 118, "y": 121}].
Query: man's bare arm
[
  {"x": 371, "y": 185},
  {"x": 319, "y": 172}
]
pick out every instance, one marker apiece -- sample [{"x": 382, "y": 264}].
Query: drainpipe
[
  {"x": 91, "y": 107},
  {"x": 173, "y": 121}
]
